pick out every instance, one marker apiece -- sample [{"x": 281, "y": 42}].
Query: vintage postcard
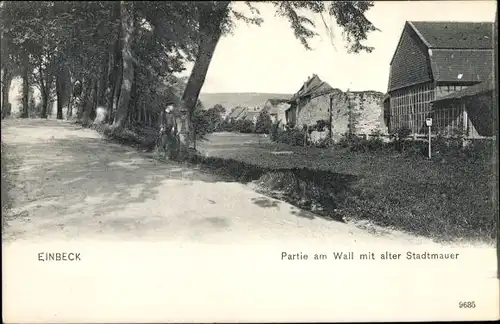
[{"x": 243, "y": 161}]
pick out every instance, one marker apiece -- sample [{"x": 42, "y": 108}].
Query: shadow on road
[
  {"x": 59, "y": 177},
  {"x": 305, "y": 188}
]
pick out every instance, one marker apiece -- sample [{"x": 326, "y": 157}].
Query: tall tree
[
  {"x": 217, "y": 17},
  {"x": 211, "y": 18},
  {"x": 127, "y": 18}
]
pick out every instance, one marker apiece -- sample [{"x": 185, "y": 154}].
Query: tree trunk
[
  {"x": 6, "y": 83},
  {"x": 88, "y": 103},
  {"x": 110, "y": 82},
  {"x": 59, "y": 94},
  {"x": 101, "y": 88},
  {"x": 26, "y": 87},
  {"x": 71, "y": 100},
  {"x": 69, "y": 109},
  {"x": 211, "y": 17},
  {"x": 115, "y": 79},
  {"x": 127, "y": 15},
  {"x": 134, "y": 99},
  {"x": 45, "y": 85},
  {"x": 115, "y": 95},
  {"x": 86, "y": 88}
]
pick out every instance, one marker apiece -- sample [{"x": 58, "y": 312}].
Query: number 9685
[{"x": 469, "y": 304}]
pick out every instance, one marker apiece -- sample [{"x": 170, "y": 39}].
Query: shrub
[
  {"x": 321, "y": 125},
  {"x": 480, "y": 150},
  {"x": 375, "y": 141},
  {"x": 244, "y": 126},
  {"x": 399, "y": 138},
  {"x": 325, "y": 143},
  {"x": 403, "y": 132},
  {"x": 363, "y": 143},
  {"x": 291, "y": 136},
  {"x": 227, "y": 126},
  {"x": 275, "y": 128},
  {"x": 264, "y": 123}
]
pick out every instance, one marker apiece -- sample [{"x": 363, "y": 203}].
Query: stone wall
[{"x": 366, "y": 109}]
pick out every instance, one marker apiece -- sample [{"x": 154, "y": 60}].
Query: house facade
[
  {"x": 276, "y": 107},
  {"x": 359, "y": 112},
  {"x": 431, "y": 61}
]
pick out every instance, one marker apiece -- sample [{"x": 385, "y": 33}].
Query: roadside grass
[
  {"x": 446, "y": 199},
  {"x": 6, "y": 184}
]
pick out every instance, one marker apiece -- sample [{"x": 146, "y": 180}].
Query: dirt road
[{"x": 69, "y": 182}]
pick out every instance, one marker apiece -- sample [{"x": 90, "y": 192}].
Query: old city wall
[{"x": 364, "y": 108}]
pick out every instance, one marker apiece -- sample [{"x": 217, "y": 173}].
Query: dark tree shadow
[
  {"x": 82, "y": 174},
  {"x": 301, "y": 187},
  {"x": 303, "y": 213},
  {"x": 76, "y": 175},
  {"x": 265, "y": 202}
]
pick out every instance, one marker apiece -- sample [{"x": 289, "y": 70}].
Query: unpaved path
[{"x": 69, "y": 182}]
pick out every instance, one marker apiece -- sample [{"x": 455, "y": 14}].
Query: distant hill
[{"x": 244, "y": 99}]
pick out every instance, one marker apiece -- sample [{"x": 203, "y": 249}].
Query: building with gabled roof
[
  {"x": 432, "y": 60},
  {"x": 276, "y": 107},
  {"x": 237, "y": 113}
]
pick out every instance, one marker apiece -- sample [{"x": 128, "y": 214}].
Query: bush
[
  {"x": 325, "y": 143},
  {"x": 227, "y": 126},
  {"x": 360, "y": 144},
  {"x": 275, "y": 128},
  {"x": 264, "y": 123},
  {"x": 244, "y": 126},
  {"x": 399, "y": 138},
  {"x": 291, "y": 136},
  {"x": 480, "y": 149},
  {"x": 403, "y": 132},
  {"x": 375, "y": 141},
  {"x": 320, "y": 126}
]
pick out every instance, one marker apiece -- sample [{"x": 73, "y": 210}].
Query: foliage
[
  {"x": 219, "y": 109},
  {"x": 227, "y": 125},
  {"x": 401, "y": 133},
  {"x": 244, "y": 126},
  {"x": 325, "y": 142},
  {"x": 349, "y": 16},
  {"x": 321, "y": 125},
  {"x": 70, "y": 41},
  {"x": 356, "y": 143},
  {"x": 264, "y": 123},
  {"x": 291, "y": 136},
  {"x": 275, "y": 129},
  {"x": 207, "y": 121}
]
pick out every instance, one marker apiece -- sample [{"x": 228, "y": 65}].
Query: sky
[{"x": 270, "y": 59}]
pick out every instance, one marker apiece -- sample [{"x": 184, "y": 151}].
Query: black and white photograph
[{"x": 249, "y": 161}]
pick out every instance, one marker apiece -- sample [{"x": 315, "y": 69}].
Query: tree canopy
[{"x": 124, "y": 55}]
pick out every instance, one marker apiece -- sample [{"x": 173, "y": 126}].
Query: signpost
[{"x": 428, "y": 122}]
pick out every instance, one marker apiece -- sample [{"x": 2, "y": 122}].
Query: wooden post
[
  {"x": 465, "y": 125},
  {"x": 430, "y": 155}
]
